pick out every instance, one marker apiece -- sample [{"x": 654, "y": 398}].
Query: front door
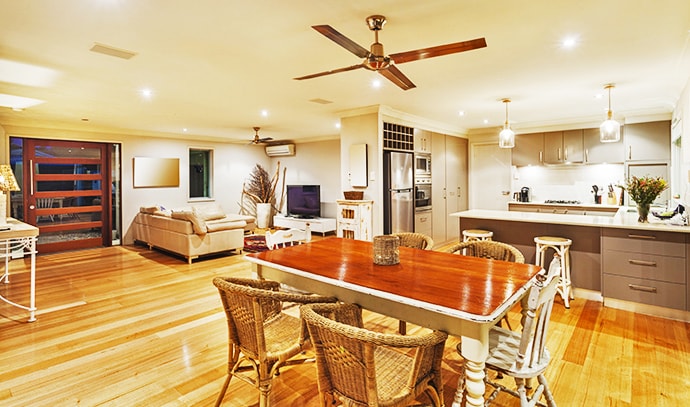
[{"x": 66, "y": 191}]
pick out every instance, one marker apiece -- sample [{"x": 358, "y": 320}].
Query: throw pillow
[
  {"x": 198, "y": 224},
  {"x": 209, "y": 212}
]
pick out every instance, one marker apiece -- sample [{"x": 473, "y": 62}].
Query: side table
[{"x": 16, "y": 236}]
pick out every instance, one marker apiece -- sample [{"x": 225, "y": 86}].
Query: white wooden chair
[
  {"x": 45, "y": 203},
  {"x": 523, "y": 355},
  {"x": 289, "y": 237}
]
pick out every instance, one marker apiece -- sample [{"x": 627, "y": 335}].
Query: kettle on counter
[{"x": 524, "y": 194}]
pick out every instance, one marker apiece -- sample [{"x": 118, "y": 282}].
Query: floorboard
[{"x": 127, "y": 326}]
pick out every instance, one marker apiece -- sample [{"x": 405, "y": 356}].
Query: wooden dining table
[{"x": 461, "y": 295}]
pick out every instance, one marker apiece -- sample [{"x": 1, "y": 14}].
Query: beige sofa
[{"x": 192, "y": 232}]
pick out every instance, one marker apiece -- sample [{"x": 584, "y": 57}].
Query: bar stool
[
  {"x": 561, "y": 247},
  {"x": 476, "y": 234}
]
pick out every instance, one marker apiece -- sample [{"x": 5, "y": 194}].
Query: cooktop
[{"x": 560, "y": 201}]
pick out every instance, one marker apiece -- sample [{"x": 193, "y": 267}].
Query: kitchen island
[{"x": 641, "y": 267}]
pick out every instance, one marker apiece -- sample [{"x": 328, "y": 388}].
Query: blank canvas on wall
[{"x": 151, "y": 172}]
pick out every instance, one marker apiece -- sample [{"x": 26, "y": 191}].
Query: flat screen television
[{"x": 304, "y": 201}]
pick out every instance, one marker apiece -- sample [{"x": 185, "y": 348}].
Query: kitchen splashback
[{"x": 567, "y": 183}]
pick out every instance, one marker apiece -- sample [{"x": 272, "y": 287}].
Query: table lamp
[{"x": 7, "y": 183}]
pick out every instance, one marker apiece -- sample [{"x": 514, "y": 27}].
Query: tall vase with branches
[{"x": 262, "y": 188}]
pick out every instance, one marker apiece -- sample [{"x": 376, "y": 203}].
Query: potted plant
[
  {"x": 644, "y": 190},
  {"x": 259, "y": 194}
]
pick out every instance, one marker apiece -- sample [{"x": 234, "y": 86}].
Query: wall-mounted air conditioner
[{"x": 280, "y": 150}]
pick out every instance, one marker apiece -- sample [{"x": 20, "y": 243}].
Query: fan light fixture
[
  {"x": 506, "y": 138},
  {"x": 610, "y": 130}
]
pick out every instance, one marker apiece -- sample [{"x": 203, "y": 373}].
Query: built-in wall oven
[{"x": 422, "y": 194}]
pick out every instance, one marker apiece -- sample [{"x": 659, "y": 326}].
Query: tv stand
[{"x": 321, "y": 225}]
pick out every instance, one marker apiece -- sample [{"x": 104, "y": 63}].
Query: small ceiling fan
[
  {"x": 257, "y": 139},
  {"x": 376, "y": 60}
]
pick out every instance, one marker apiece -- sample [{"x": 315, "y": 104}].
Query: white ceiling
[{"x": 214, "y": 65}]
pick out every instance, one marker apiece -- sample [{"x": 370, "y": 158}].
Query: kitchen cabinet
[
  {"x": 597, "y": 152},
  {"x": 649, "y": 141},
  {"x": 423, "y": 223},
  {"x": 449, "y": 174},
  {"x": 563, "y": 147},
  {"x": 528, "y": 150},
  {"x": 354, "y": 219},
  {"x": 647, "y": 267},
  {"x": 422, "y": 141}
]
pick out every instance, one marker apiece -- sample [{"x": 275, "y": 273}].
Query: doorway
[
  {"x": 69, "y": 190},
  {"x": 490, "y": 180}
]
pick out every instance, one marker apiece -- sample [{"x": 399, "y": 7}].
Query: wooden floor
[{"x": 125, "y": 326}]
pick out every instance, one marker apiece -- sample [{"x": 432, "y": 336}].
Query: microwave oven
[{"x": 422, "y": 164}]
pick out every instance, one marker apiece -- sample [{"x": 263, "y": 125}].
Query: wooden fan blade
[
  {"x": 331, "y": 33},
  {"x": 397, "y": 77},
  {"x": 316, "y": 75},
  {"x": 438, "y": 51}
]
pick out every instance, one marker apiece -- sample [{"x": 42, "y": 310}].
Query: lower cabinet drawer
[
  {"x": 645, "y": 266},
  {"x": 659, "y": 293}
]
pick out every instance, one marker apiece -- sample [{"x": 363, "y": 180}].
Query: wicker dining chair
[
  {"x": 358, "y": 367},
  {"x": 262, "y": 338},
  {"x": 415, "y": 241},
  {"x": 489, "y": 249}
]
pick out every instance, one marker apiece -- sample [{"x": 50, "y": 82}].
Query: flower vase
[
  {"x": 642, "y": 212},
  {"x": 263, "y": 215}
]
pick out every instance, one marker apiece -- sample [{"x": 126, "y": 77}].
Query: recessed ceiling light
[
  {"x": 264, "y": 113},
  {"x": 598, "y": 96},
  {"x": 184, "y": 130},
  {"x": 337, "y": 125},
  {"x": 147, "y": 93},
  {"x": 569, "y": 42},
  {"x": 461, "y": 113},
  {"x": 376, "y": 83},
  {"x": 486, "y": 121}
]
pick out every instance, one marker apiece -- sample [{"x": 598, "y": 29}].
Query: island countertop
[{"x": 625, "y": 218}]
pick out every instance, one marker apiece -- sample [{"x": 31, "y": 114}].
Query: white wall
[{"x": 317, "y": 163}]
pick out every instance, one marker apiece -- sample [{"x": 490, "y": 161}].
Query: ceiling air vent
[{"x": 280, "y": 150}]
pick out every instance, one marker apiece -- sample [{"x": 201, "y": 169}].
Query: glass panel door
[{"x": 66, "y": 193}]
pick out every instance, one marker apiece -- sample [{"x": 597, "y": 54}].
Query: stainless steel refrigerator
[{"x": 398, "y": 205}]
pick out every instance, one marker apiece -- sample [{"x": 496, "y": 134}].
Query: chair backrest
[
  {"x": 345, "y": 354},
  {"x": 535, "y": 321},
  {"x": 44, "y": 202},
  {"x": 415, "y": 240},
  {"x": 488, "y": 249},
  {"x": 289, "y": 237}
]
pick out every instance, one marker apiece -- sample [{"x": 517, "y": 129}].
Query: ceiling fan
[
  {"x": 376, "y": 60},
  {"x": 257, "y": 139}
]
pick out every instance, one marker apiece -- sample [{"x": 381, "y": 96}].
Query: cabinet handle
[
  {"x": 642, "y": 263},
  {"x": 629, "y": 152},
  {"x": 565, "y": 153},
  {"x": 642, "y": 288},
  {"x": 541, "y": 156},
  {"x": 559, "y": 154},
  {"x": 642, "y": 237},
  {"x": 586, "y": 155}
]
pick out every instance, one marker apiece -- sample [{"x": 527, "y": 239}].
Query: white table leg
[
  {"x": 471, "y": 385},
  {"x": 32, "y": 300}
]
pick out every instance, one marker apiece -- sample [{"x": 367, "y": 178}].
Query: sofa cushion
[
  {"x": 209, "y": 211},
  {"x": 198, "y": 224},
  {"x": 224, "y": 224}
]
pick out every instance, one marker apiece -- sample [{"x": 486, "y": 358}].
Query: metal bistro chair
[
  {"x": 261, "y": 337},
  {"x": 415, "y": 241},
  {"x": 523, "y": 355},
  {"x": 289, "y": 237},
  {"x": 358, "y": 367}
]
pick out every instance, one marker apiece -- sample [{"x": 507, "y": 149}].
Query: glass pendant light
[
  {"x": 610, "y": 130},
  {"x": 506, "y": 138}
]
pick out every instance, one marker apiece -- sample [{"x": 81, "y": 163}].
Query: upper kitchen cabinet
[
  {"x": 563, "y": 147},
  {"x": 597, "y": 152},
  {"x": 648, "y": 141},
  {"x": 422, "y": 141},
  {"x": 528, "y": 150}
]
